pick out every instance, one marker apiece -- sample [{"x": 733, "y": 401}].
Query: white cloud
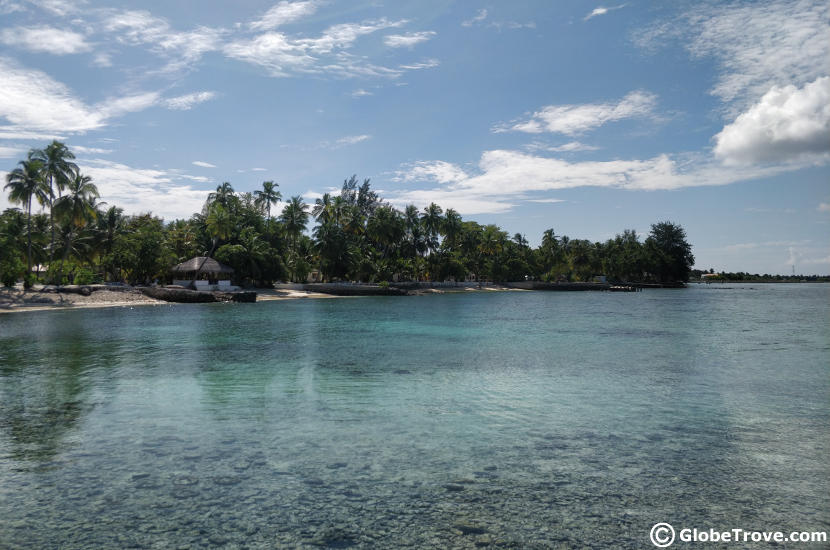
[
  {"x": 203, "y": 164},
  {"x": 102, "y": 60},
  {"x": 259, "y": 169},
  {"x": 428, "y": 64},
  {"x": 12, "y": 132},
  {"x": 351, "y": 140},
  {"x": 60, "y": 7},
  {"x": 10, "y": 152},
  {"x": 824, "y": 207},
  {"x": 283, "y": 13},
  {"x": 145, "y": 190},
  {"x": 8, "y": 6},
  {"x": 602, "y": 11},
  {"x": 45, "y": 39},
  {"x": 360, "y": 93},
  {"x": 274, "y": 51},
  {"x": 463, "y": 202},
  {"x": 284, "y": 55},
  {"x": 437, "y": 171},
  {"x": 35, "y": 104},
  {"x": 576, "y": 119},
  {"x": 547, "y": 201},
  {"x": 187, "y": 101},
  {"x": 32, "y": 101},
  {"x": 407, "y": 40},
  {"x": 787, "y": 124},
  {"x": 180, "y": 49},
  {"x": 344, "y": 35},
  {"x": 757, "y": 45},
  {"x": 89, "y": 150},
  {"x": 570, "y": 147},
  {"x": 505, "y": 177},
  {"x": 479, "y": 17}
]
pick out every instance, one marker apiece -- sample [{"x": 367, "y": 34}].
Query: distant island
[
  {"x": 710, "y": 276},
  {"x": 74, "y": 238}
]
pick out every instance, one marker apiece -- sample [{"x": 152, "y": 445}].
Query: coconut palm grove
[{"x": 64, "y": 232}]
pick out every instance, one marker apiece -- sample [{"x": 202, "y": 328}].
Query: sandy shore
[
  {"x": 16, "y": 299},
  {"x": 34, "y": 300}
]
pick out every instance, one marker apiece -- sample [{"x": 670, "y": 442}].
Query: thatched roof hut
[{"x": 202, "y": 264}]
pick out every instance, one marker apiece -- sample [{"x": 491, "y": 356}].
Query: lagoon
[{"x": 479, "y": 419}]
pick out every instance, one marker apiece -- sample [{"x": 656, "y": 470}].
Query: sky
[{"x": 583, "y": 117}]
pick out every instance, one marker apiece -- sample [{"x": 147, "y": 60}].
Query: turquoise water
[{"x": 513, "y": 419}]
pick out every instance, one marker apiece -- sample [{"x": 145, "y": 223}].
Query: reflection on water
[{"x": 506, "y": 420}]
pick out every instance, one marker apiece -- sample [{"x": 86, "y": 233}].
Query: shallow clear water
[{"x": 515, "y": 419}]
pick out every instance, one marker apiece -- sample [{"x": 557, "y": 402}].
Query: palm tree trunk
[
  {"x": 29, "y": 224},
  {"x": 65, "y": 254},
  {"x": 51, "y": 220}
]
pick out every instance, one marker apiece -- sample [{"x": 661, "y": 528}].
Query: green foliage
[
  {"x": 356, "y": 236},
  {"x": 83, "y": 276},
  {"x": 29, "y": 280},
  {"x": 11, "y": 268}
]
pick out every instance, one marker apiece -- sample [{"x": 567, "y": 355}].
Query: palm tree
[
  {"x": 58, "y": 169},
  {"x": 219, "y": 225},
  {"x": 452, "y": 228},
  {"x": 295, "y": 218},
  {"x": 433, "y": 223},
  {"x": 110, "y": 226},
  {"x": 223, "y": 194},
  {"x": 24, "y": 183},
  {"x": 322, "y": 208},
  {"x": 76, "y": 209},
  {"x": 268, "y": 196}
]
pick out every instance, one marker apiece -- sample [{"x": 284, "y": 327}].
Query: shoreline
[{"x": 16, "y": 300}]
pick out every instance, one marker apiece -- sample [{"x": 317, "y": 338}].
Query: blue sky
[{"x": 585, "y": 117}]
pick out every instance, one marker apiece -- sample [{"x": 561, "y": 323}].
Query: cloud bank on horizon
[{"x": 493, "y": 111}]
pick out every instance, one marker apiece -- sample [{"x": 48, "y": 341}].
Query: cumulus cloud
[
  {"x": 756, "y": 45},
  {"x": 505, "y": 177},
  {"x": 787, "y": 124},
  {"x": 284, "y": 13},
  {"x": 576, "y": 119},
  {"x": 187, "y": 101},
  {"x": 360, "y": 92},
  {"x": 824, "y": 207},
  {"x": 139, "y": 190},
  {"x": 436, "y": 171},
  {"x": 35, "y": 104},
  {"x": 407, "y": 40},
  {"x": 45, "y": 39}
]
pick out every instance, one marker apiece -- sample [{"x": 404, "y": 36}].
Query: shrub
[
  {"x": 84, "y": 276},
  {"x": 10, "y": 270},
  {"x": 29, "y": 280}
]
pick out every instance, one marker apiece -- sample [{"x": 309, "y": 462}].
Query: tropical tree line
[{"x": 350, "y": 235}]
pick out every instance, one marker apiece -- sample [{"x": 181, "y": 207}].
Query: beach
[{"x": 43, "y": 299}]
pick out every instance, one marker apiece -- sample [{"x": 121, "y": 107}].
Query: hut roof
[{"x": 208, "y": 265}]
